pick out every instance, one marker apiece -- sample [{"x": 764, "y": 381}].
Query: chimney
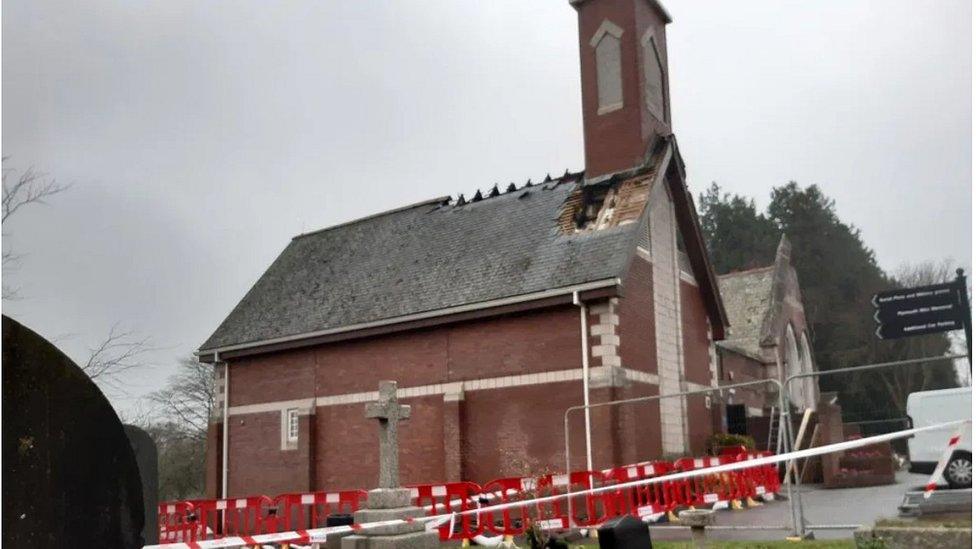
[{"x": 624, "y": 70}]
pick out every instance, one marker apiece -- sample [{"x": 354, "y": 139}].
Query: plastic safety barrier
[
  {"x": 707, "y": 490},
  {"x": 646, "y": 501},
  {"x": 194, "y": 520},
  {"x": 233, "y": 517},
  {"x": 452, "y": 497},
  {"x": 309, "y": 510},
  {"x": 176, "y": 521},
  {"x": 765, "y": 478},
  {"x": 575, "y": 511}
]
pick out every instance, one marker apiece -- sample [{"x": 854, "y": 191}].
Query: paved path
[{"x": 820, "y": 506}]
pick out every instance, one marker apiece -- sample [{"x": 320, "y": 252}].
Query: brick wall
[
  {"x": 618, "y": 139},
  {"x": 257, "y": 465},
  {"x": 696, "y": 341},
  {"x": 637, "y": 344},
  {"x": 479, "y": 432},
  {"x": 736, "y": 368},
  {"x": 345, "y": 443},
  {"x": 212, "y": 463},
  {"x": 700, "y": 425}
]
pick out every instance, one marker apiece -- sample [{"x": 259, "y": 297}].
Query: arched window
[
  {"x": 609, "y": 83},
  {"x": 793, "y": 366},
  {"x": 806, "y": 363},
  {"x": 654, "y": 88}
]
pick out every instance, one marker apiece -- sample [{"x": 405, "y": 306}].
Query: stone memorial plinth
[{"x": 389, "y": 501}]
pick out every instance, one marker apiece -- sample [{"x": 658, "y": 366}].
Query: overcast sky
[{"x": 200, "y": 136}]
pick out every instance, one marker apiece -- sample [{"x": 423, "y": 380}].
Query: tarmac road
[{"x": 820, "y": 506}]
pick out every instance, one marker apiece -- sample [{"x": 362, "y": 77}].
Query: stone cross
[{"x": 389, "y": 412}]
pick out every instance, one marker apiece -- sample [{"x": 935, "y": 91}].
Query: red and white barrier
[
  {"x": 318, "y": 535},
  {"x": 943, "y": 462},
  {"x": 309, "y": 510},
  {"x": 648, "y": 502},
  {"x": 441, "y": 499}
]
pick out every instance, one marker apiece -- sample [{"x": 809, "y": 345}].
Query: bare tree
[
  {"x": 117, "y": 354},
  {"x": 179, "y": 428},
  {"x": 29, "y": 188},
  {"x": 187, "y": 400}
]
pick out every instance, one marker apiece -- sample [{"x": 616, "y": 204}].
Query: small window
[
  {"x": 292, "y": 424},
  {"x": 655, "y": 93},
  {"x": 609, "y": 80}
]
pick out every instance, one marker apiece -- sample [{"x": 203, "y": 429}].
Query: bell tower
[{"x": 624, "y": 76}]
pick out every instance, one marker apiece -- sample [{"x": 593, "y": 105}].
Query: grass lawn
[
  {"x": 817, "y": 544},
  {"x": 954, "y": 520},
  {"x": 821, "y": 544}
]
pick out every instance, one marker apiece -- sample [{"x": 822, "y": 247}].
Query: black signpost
[{"x": 925, "y": 310}]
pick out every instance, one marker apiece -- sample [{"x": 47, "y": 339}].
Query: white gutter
[
  {"x": 584, "y": 345},
  {"x": 421, "y": 316},
  {"x": 226, "y": 429}
]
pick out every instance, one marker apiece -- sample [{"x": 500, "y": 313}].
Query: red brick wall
[
  {"x": 490, "y": 433},
  {"x": 694, "y": 331},
  {"x": 257, "y": 465},
  {"x": 617, "y": 140},
  {"x": 347, "y": 451},
  {"x": 345, "y": 442},
  {"x": 735, "y": 368},
  {"x": 212, "y": 463},
  {"x": 638, "y": 425},
  {"x": 272, "y": 377},
  {"x": 514, "y": 431},
  {"x": 531, "y": 342},
  {"x": 638, "y": 349},
  {"x": 612, "y": 140},
  {"x": 700, "y": 424}
]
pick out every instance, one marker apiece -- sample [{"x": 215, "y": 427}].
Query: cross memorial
[
  {"x": 389, "y": 501},
  {"x": 388, "y": 411}
]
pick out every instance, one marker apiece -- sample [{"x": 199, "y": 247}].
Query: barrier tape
[
  {"x": 943, "y": 462},
  {"x": 320, "y": 534}
]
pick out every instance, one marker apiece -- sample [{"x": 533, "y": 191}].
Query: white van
[{"x": 924, "y": 449}]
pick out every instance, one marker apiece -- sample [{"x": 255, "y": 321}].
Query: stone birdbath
[{"x": 697, "y": 519}]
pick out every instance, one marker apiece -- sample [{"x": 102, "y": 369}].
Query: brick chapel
[{"x": 602, "y": 271}]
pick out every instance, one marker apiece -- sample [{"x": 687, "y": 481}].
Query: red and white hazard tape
[
  {"x": 943, "y": 462},
  {"x": 320, "y": 534}
]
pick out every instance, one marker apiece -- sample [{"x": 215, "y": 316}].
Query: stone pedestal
[
  {"x": 385, "y": 504},
  {"x": 698, "y": 520}
]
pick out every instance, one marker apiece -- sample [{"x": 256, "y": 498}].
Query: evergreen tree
[
  {"x": 737, "y": 237},
  {"x": 838, "y": 275}
]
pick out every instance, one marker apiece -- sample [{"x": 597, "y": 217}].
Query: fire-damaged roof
[{"x": 429, "y": 259}]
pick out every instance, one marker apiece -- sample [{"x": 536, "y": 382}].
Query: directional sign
[
  {"x": 885, "y": 315},
  {"x": 919, "y": 327},
  {"x": 918, "y": 311},
  {"x": 916, "y": 296}
]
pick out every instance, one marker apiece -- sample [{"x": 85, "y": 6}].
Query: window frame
[{"x": 292, "y": 426}]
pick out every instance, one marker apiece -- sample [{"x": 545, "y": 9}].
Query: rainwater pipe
[
  {"x": 226, "y": 429},
  {"x": 584, "y": 345}
]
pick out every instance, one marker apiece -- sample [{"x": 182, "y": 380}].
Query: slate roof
[
  {"x": 748, "y": 296},
  {"x": 422, "y": 258}
]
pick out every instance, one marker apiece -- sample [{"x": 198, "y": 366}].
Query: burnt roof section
[{"x": 431, "y": 256}]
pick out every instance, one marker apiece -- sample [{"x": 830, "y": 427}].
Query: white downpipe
[
  {"x": 584, "y": 345},
  {"x": 226, "y": 430}
]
